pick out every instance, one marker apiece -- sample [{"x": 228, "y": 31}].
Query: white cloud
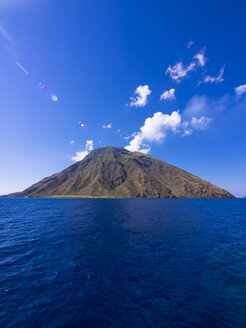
[
  {"x": 189, "y": 44},
  {"x": 187, "y": 132},
  {"x": 22, "y": 68},
  {"x": 200, "y": 57},
  {"x": 140, "y": 100},
  {"x": 136, "y": 143},
  {"x": 200, "y": 123},
  {"x": 81, "y": 154},
  {"x": 72, "y": 142},
  {"x": 154, "y": 129},
  {"x": 197, "y": 115},
  {"x": 241, "y": 89},
  {"x": 178, "y": 71},
  {"x": 168, "y": 94},
  {"x": 214, "y": 79},
  {"x": 145, "y": 150},
  {"x": 187, "y": 128},
  {"x": 89, "y": 145},
  {"x": 108, "y": 126}
]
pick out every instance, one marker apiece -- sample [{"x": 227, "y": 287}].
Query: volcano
[{"x": 114, "y": 172}]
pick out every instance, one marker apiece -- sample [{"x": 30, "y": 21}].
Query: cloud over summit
[
  {"x": 154, "y": 129},
  {"x": 81, "y": 154}
]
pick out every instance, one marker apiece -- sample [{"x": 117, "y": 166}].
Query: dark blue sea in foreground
[{"x": 122, "y": 263}]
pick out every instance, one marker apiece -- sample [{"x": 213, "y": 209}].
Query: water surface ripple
[{"x": 122, "y": 263}]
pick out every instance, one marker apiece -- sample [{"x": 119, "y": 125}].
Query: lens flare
[{"x": 54, "y": 97}]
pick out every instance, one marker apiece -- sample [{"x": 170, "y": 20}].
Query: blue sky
[{"x": 156, "y": 76}]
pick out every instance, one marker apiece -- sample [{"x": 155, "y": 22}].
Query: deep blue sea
[{"x": 122, "y": 263}]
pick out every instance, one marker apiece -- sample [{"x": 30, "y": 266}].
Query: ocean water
[{"x": 122, "y": 263}]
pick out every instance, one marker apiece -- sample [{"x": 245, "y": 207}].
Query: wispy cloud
[
  {"x": 179, "y": 71},
  {"x": 81, "y": 154},
  {"x": 6, "y": 35},
  {"x": 214, "y": 79},
  {"x": 107, "y": 126},
  {"x": 72, "y": 142},
  {"x": 154, "y": 129},
  {"x": 200, "y": 123},
  {"x": 168, "y": 94},
  {"x": 200, "y": 57},
  {"x": 130, "y": 136},
  {"x": 241, "y": 89},
  {"x": 22, "y": 67},
  {"x": 201, "y": 110},
  {"x": 189, "y": 44},
  {"x": 118, "y": 132},
  {"x": 140, "y": 100},
  {"x": 201, "y": 105},
  {"x": 197, "y": 105},
  {"x": 187, "y": 128}
]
